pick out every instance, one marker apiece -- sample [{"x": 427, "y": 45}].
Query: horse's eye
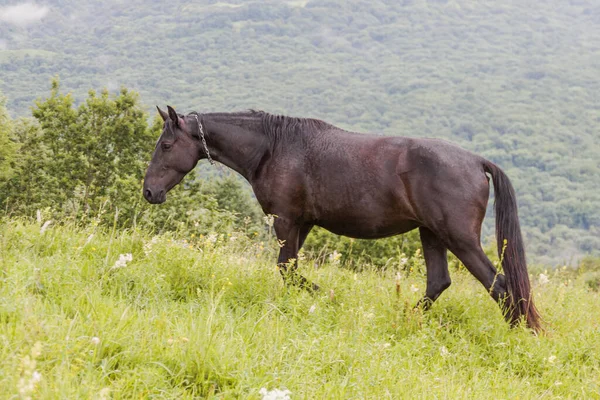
[{"x": 166, "y": 146}]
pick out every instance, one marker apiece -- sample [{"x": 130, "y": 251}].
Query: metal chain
[{"x": 203, "y": 140}]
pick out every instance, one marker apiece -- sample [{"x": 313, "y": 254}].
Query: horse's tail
[{"x": 511, "y": 250}]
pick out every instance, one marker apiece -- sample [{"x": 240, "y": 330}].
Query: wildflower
[
  {"x": 45, "y": 226},
  {"x": 414, "y": 288},
  {"x": 36, "y": 377},
  {"x": 212, "y": 238},
  {"x": 104, "y": 394},
  {"x": 148, "y": 246},
  {"x": 95, "y": 340},
  {"x": 543, "y": 279},
  {"x": 29, "y": 376},
  {"x": 122, "y": 261},
  {"x": 312, "y": 309},
  {"x": 551, "y": 359},
  {"x": 269, "y": 219},
  {"x": 444, "y": 351},
  {"x": 275, "y": 394},
  {"x": 334, "y": 257}
]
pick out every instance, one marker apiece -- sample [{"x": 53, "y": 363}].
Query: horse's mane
[
  {"x": 280, "y": 126},
  {"x": 276, "y": 127}
]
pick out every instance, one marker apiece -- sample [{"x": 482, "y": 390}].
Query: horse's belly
[{"x": 360, "y": 227}]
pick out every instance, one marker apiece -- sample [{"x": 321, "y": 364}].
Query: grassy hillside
[
  {"x": 209, "y": 317},
  {"x": 513, "y": 81}
]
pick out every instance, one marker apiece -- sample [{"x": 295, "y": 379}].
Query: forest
[{"x": 513, "y": 81}]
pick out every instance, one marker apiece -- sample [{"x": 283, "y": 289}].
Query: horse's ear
[
  {"x": 173, "y": 115},
  {"x": 163, "y": 114}
]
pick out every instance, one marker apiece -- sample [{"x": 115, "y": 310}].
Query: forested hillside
[{"x": 517, "y": 82}]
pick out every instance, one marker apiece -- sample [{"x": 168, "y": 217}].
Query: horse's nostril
[{"x": 148, "y": 194}]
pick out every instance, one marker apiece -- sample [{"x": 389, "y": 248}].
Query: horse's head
[{"x": 176, "y": 154}]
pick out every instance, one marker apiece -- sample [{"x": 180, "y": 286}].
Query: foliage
[
  {"x": 209, "y": 318},
  {"x": 7, "y": 146},
  {"x": 87, "y": 163},
  {"x": 358, "y": 254}
]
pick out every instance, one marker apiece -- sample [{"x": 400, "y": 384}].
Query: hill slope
[
  {"x": 516, "y": 82},
  {"x": 214, "y": 321}
]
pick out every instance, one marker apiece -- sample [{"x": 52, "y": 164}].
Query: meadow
[{"x": 92, "y": 312}]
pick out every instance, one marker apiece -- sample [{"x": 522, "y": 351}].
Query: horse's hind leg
[
  {"x": 438, "y": 277},
  {"x": 470, "y": 253}
]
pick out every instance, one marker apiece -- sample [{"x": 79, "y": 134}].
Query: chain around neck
[{"x": 201, "y": 131}]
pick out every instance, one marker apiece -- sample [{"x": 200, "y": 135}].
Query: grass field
[{"x": 210, "y": 318}]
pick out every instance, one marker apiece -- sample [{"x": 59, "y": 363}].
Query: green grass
[{"x": 196, "y": 320}]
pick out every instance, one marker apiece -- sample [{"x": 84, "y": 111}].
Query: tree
[
  {"x": 7, "y": 146},
  {"x": 79, "y": 161}
]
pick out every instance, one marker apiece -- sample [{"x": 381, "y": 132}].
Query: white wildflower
[
  {"x": 312, "y": 309},
  {"x": 269, "y": 219},
  {"x": 403, "y": 260},
  {"x": 45, "y": 226},
  {"x": 148, "y": 246},
  {"x": 123, "y": 260},
  {"x": 36, "y": 377},
  {"x": 104, "y": 394},
  {"x": 551, "y": 359},
  {"x": 95, "y": 340},
  {"x": 29, "y": 376},
  {"x": 212, "y": 238},
  {"x": 543, "y": 279},
  {"x": 414, "y": 288},
  {"x": 275, "y": 394},
  {"x": 444, "y": 351},
  {"x": 334, "y": 257},
  {"x": 398, "y": 278}
]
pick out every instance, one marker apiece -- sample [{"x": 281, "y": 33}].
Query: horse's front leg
[{"x": 290, "y": 235}]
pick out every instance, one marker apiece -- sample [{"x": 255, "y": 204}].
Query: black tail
[{"x": 511, "y": 250}]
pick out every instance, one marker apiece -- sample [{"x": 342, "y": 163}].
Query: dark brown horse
[{"x": 308, "y": 172}]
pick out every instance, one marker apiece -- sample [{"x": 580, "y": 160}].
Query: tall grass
[{"x": 209, "y": 318}]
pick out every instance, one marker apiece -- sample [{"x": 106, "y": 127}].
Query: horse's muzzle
[{"x": 156, "y": 196}]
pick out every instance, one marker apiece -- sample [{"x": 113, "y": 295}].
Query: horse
[{"x": 309, "y": 173}]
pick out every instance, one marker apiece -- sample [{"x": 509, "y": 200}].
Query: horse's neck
[{"x": 236, "y": 141}]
